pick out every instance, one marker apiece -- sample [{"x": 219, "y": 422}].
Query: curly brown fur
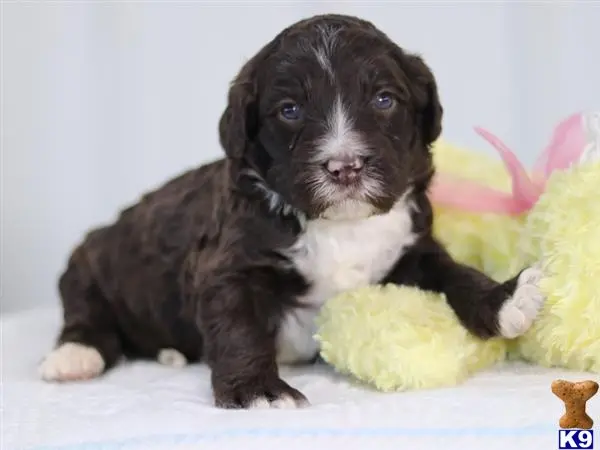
[{"x": 327, "y": 135}]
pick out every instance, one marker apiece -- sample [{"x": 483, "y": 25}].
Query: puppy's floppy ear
[
  {"x": 425, "y": 97},
  {"x": 239, "y": 120}
]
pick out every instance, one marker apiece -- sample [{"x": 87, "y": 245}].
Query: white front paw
[
  {"x": 520, "y": 310},
  {"x": 283, "y": 401}
]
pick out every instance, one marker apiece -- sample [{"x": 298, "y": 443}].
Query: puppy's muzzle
[{"x": 345, "y": 171}]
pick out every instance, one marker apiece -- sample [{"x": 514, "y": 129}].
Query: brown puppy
[{"x": 327, "y": 136}]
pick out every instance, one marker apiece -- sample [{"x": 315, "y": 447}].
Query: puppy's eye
[
  {"x": 290, "y": 112},
  {"x": 384, "y": 101}
]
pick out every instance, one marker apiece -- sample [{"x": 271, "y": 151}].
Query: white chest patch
[{"x": 336, "y": 256}]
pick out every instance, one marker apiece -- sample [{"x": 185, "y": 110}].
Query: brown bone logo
[{"x": 575, "y": 396}]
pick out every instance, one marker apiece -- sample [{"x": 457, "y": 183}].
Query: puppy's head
[{"x": 332, "y": 119}]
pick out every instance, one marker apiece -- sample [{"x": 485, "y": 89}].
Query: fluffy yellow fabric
[
  {"x": 399, "y": 338},
  {"x": 484, "y": 241},
  {"x": 563, "y": 232}
]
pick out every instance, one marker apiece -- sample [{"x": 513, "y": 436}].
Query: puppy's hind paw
[
  {"x": 171, "y": 357},
  {"x": 72, "y": 362}
]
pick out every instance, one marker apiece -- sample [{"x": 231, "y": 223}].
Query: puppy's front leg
[
  {"x": 238, "y": 315},
  {"x": 484, "y": 307}
]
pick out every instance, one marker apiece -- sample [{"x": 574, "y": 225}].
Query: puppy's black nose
[{"x": 345, "y": 170}]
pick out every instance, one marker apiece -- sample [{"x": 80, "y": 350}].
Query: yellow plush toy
[{"x": 398, "y": 338}]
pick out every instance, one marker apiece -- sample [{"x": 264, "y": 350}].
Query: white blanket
[{"x": 146, "y": 406}]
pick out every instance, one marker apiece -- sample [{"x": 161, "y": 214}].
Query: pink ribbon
[{"x": 566, "y": 146}]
